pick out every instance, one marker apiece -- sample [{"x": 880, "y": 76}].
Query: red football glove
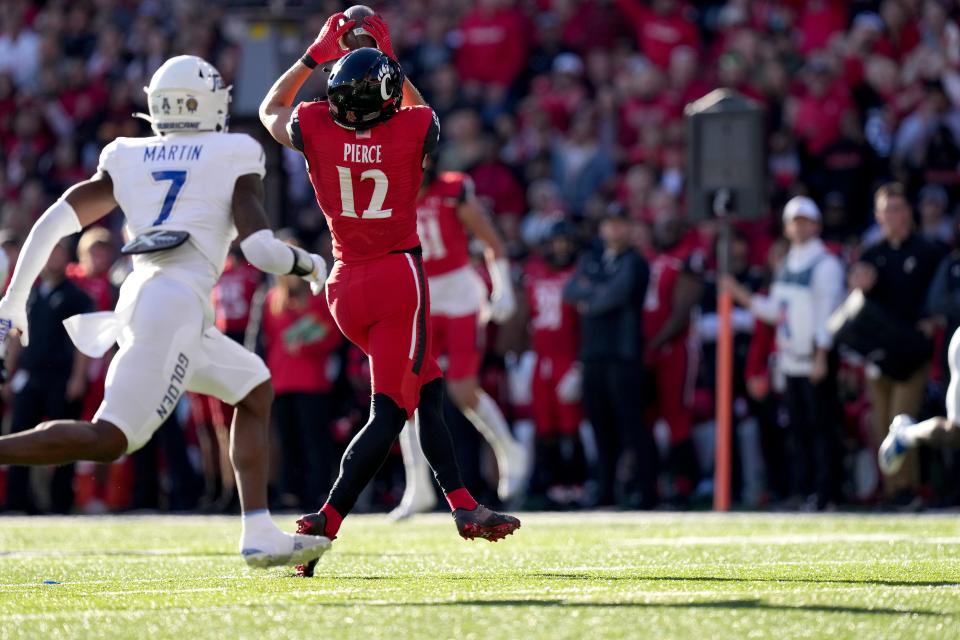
[
  {"x": 380, "y": 32},
  {"x": 327, "y": 45}
]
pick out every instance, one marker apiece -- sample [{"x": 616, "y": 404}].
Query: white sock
[
  {"x": 489, "y": 421},
  {"x": 415, "y": 466},
  {"x": 908, "y": 434},
  {"x": 260, "y": 532}
]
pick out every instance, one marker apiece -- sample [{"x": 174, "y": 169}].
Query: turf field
[{"x": 561, "y": 576}]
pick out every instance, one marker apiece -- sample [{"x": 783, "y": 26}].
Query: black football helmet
[{"x": 365, "y": 88}]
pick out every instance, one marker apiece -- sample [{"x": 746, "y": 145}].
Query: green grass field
[{"x": 592, "y": 576}]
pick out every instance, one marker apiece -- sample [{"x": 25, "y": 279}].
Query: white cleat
[
  {"x": 894, "y": 448},
  {"x": 413, "y": 502},
  {"x": 514, "y": 472},
  {"x": 304, "y": 549}
]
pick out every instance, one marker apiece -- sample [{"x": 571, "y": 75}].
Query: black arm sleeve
[
  {"x": 467, "y": 190},
  {"x": 296, "y": 135},
  {"x": 432, "y": 138}
]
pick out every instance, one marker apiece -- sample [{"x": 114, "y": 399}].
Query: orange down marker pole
[{"x": 724, "y": 403}]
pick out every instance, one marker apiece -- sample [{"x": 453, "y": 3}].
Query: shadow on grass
[
  {"x": 746, "y": 604},
  {"x": 878, "y": 582}
]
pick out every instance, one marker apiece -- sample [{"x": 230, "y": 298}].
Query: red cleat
[
  {"x": 312, "y": 524},
  {"x": 484, "y": 523}
]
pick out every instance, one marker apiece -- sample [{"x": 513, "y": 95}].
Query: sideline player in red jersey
[
  {"x": 447, "y": 211},
  {"x": 233, "y": 295},
  {"x": 670, "y": 356},
  {"x": 365, "y": 151},
  {"x": 557, "y": 374}
]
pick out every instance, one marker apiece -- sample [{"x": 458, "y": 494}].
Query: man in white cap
[{"x": 806, "y": 289}]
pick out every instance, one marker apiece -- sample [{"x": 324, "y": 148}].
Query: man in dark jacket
[
  {"x": 896, "y": 274},
  {"x": 608, "y": 290},
  {"x": 48, "y": 378}
]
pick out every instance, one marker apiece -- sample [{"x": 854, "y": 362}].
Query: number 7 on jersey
[{"x": 177, "y": 180}]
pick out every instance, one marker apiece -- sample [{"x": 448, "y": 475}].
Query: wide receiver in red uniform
[
  {"x": 365, "y": 155},
  {"x": 447, "y": 211}
]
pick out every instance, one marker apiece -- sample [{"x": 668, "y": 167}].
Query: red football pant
[
  {"x": 672, "y": 368},
  {"x": 383, "y": 307},
  {"x": 458, "y": 339},
  {"x": 551, "y": 415}
]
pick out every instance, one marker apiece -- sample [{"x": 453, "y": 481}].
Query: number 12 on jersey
[
  {"x": 375, "y": 210},
  {"x": 177, "y": 180}
]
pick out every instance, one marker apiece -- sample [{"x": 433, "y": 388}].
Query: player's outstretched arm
[
  {"x": 411, "y": 95},
  {"x": 260, "y": 247},
  {"x": 380, "y": 32},
  {"x": 276, "y": 110},
  {"x": 503, "y": 302},
  {"x": 81, "y": 205}
]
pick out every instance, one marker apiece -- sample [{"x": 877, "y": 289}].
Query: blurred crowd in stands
[{"x": 568, "y": 115}]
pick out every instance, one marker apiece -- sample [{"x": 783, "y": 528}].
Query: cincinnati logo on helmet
[{"x": 384, "y": 75}]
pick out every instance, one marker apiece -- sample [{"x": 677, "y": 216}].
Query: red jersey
[
  {"x": 233, "y": 294},
  {"x": 442, "y": 236},
  {"x": 299, "y": 343},
  {"x": 659, "y": 34},
  {"x": 494, "y": 46},
  {"x": 366, "y": 181},
  {"x": 817, "y": 120},
  {"x": 98, "y": 287},
  {"x": 553, "y": 323},
  {"x": 665, "y": 270}
]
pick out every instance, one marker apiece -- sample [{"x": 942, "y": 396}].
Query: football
[{"x": 358, "y": 36}]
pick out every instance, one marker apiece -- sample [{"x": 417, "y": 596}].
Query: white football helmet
[{"x": 186, "y": 94}]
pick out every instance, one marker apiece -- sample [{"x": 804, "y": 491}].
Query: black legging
[
  {"x": 303, "y": 420},
  {"x": 369, "y": 449},
  {"x": 813, "y": 438}
]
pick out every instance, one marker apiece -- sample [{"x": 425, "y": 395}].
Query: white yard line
[
  {"x": 605, "y": 571},
  {"x": 147, "y": 555},
  {"x": 128, "y": 592},
  {"x": 736, "y": 565},
  {"x": 35, "y": 585},
  {"x": 297, "y": 593},
  {"x": 612, "y": 517},
  {"x": 126, "y": 554},
  {"x": 786, "y": 539},
  {"x": 670, "y": 593}
]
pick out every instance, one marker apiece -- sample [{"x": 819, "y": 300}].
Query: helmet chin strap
[{"x": 146, "y": 116}]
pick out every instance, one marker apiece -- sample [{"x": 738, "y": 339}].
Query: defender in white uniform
[{"x": 187, "y": 193}]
